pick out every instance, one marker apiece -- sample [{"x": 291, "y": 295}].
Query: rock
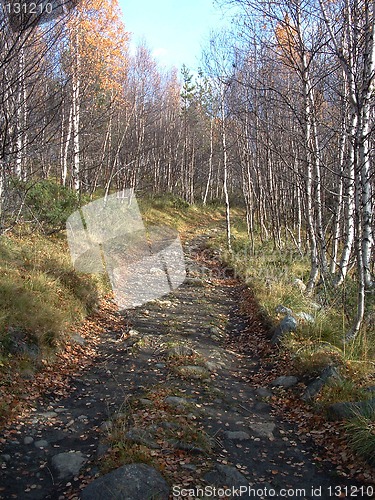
[
  {"x": 299, "y": 284},
  {"x": 106, "y": 426},
  {"x": 288, "y": 324},
  {"x": 143, "y": 437},
  {"x": 48, "y": 414},
  {"x": 129, "y": 482},
  {"x": 193, "y": 371},
  {"x": 194, "y": 281},
  {"x": 41, "y": 443},
  {"x": 280, "y": 309},
  {"x": 225, "y": 475},
  {"x": 78, "y": 339},
  {"x": 287, "y": 381},
  {"x": 60, "y": 410},
  {"x": 371, "y": 388},
  {"x": 347, "y": 410},
  {"x": 212, "y": 366},
  {"x": 28, "y": 440},
  {"x": 237, "y": 435},
  {"x": 68, "y": 464},
  {"x": 19, "y": 343},
  {"x": 190, "y": 467},
  {"x": 306, "y": 317},
  {"x": 146, "y": 402},
  {"x": 133, "y": 333},
  {"x": 180, "y": 350},
  {"x": 316, "y": 385},
  {"x": 102, "y": 450},
  {"x": 176, "y": 401},
  {"x": 262, "y": 407},
  {"x": 160, "y": 365},
  {"x": 262, "y": 392},
  {"x": 6, "y": 457},
  {"x": 263, "y": 429}
]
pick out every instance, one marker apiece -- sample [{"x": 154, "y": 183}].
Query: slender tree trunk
[
  {"x": 309, "y": 183},
  {"x": 19, "y": 115},
  {"x": 321, "y": 237},
  {"x": 359, "y": 256},
  {"x": 225, "y": 172},
  {"x": 209, "y": 161},
  {"x": 336, "y": 231},
  {"x": 64, "y": 170},
  {"x": 76, "y": 84},
  {"x": 349, "y": 202}
]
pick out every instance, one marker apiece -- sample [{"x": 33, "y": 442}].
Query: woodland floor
[{"x": 224, "y": 418}]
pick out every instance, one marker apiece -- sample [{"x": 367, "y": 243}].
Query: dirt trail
[{"x": 181, "y": 347}]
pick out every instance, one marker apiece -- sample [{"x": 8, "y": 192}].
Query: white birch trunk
[
  {"x": 76, "y": 83},
  {"x": 225, "y": 172},
  {"x": 64, "y": 169},
  {"x": 209, "y": 161}
]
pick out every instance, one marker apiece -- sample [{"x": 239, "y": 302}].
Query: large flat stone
[
  {"x": 287, "y": 381},
  {"x": 68, "y": 464},
  {"x": 129, "y": 482}
]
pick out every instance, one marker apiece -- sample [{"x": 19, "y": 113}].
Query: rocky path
[{"x": 169, "y": 390}]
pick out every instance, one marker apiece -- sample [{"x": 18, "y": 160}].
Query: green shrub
[{"x": 49, "y": 204}]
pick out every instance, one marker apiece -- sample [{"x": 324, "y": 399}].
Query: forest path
[{"x": 173, "y": 383}]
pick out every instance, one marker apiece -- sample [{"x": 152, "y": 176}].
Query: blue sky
[{"x": 174, "y": 30}]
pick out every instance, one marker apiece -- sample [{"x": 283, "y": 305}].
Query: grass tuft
[{"x": 361, "y": 435}]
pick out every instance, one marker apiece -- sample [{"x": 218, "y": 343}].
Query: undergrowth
[{"x": 41, "y": 296}]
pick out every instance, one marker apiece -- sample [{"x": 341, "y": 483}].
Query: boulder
[
  {"x": 20, "y": 344},
  {"x": 286, "y": 325},
  {"x": 285, "y": 381},
  {"x": 129, "y": 482},
  {"x": 316, "y": 385},
  {"x": 180, "y": 350},
  {"x": 280, "y": 309},
  {"x": 347, "y": 410}
]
